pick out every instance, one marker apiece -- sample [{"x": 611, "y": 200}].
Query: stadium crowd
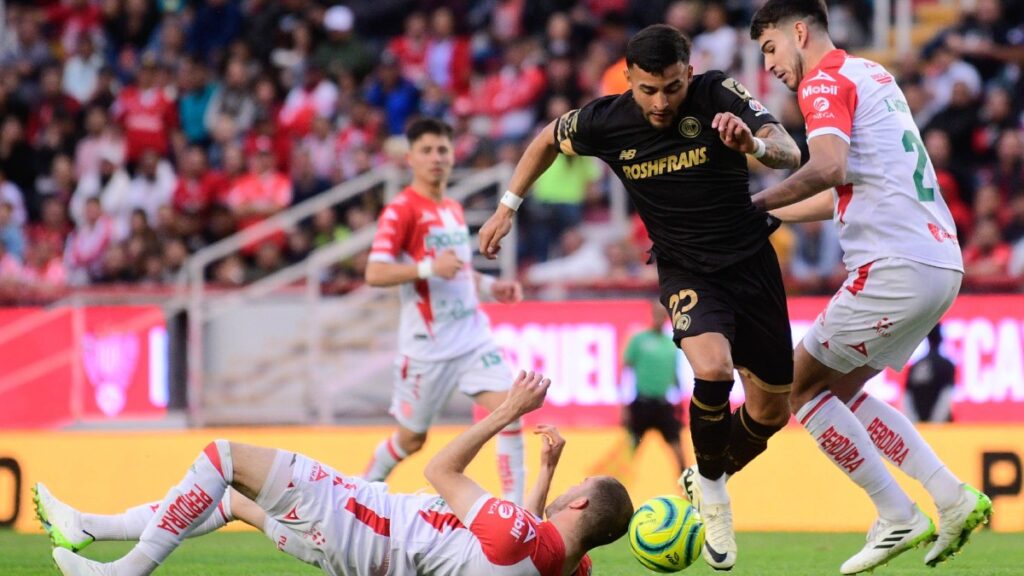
[{"x": 135, "y": 132}]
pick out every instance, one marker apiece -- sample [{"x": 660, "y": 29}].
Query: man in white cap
[{"x": 343, "y": 49}]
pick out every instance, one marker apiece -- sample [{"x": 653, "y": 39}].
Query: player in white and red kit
[
  {"x": 905, "y": 270},
  {"x": 350, "y": 527},
  {"x": 444, "y": 340}
]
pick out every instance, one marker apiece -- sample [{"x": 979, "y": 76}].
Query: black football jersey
[{"x": 691, "y": 191}]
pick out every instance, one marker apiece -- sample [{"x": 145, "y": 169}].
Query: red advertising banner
[
  {"x": 62, "y": 365},
  {"x": 580, "y": 344}
]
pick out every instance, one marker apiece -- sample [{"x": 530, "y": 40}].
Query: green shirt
[
  {"x": 566, "y": 181},
  {"x": 653, "y": 357}
]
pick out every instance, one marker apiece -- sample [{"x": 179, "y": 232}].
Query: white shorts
[
  {"x": 336, "y": 522},
  {"x": 881, "y": 314},
  {"x": 422, "y": 388}
]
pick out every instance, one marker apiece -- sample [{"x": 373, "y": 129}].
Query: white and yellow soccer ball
[{"x": 666, "y": 534}]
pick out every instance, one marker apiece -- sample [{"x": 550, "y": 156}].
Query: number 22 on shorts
[{"x": 680, "y": 303}]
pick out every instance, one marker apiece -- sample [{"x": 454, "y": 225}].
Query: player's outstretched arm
[
  {"x": 446, "y": 470},
  {"x": 817, "y": 207},
  {"x": 538, "y": 156},
  {"x": 825, "y": 169},
  {"x": 550, "y": 452},
  {"x": 504, "y": 291}
]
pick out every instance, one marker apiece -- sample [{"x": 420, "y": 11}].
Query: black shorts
[
  {"x": 745, "y": 302},
  {"x": 647, "y": 413}
]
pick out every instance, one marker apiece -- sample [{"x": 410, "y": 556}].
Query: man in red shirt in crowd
[{"x": 147, "y": 114}]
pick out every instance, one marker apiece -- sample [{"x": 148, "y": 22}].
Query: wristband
[
  {"x": 425, "y": 268},
  {"x": 511, "y": 200},
  {"x": 759, "y": 148},
  {"x": 486, "y": 286}
]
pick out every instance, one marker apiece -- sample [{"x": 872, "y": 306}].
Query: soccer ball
[{"x": 666, "y": 534}]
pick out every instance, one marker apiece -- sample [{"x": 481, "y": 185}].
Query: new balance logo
[{"x": 627, "y": 154}]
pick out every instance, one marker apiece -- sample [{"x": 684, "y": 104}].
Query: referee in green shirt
[{"x": 654, "y": 359}]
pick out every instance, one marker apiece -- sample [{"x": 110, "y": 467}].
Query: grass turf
[{"x": 763, "y": 554}]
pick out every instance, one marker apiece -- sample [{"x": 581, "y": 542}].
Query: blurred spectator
[
  {"x": 82, "y": 71},
  {"x": 448, "y": 59},
  {"x": 1007, "y": 173},
  {"x": 342, "y": 49},
  {"x": 269, "y": 259},
  {"x": 996, "y": 117},
  {"x": 10, "y": 265},
  {"x": 74, "y": 22},
  {"x": 27, "y": 50},
  {"x": 262, "y": 191},
  {"x": 929, "y": 390},
  {"x": 11, "y": 195},
  {"x": 151, "y": 189},
  {"x": 175, "y": 255},
  {"x": 216, "y": 24},
  {"x": 580, "y": 260},
  {"x": 943, "y": 72},
  {"x": 60, "y": 182},
  {"x": 305, "y": 181},
  {"x": 17, "y": 159},
  {"x": 556, "y": 204},
  {"x": 232, "y": 99},
  {"x": 326, "y": 229},
  {"x": 984, "y": 36},
  {"x": 88, "y": 243},
  {"x": 320, "y": 149},
  {"x": 197, "y": 186},
  {"x": 12, "y": 235},
  {"x": 397, "y": 96},
  {"x": 53, "y": 227},
  {"x": 816, "y": 264},
  {"x": 128, "y": 27},
  {"x": 230, "y": 272},
  {"x": 196, "y": 93},
  {"x": 44, "y": 271},
  {"x": 987, "y": 256},
  {"x": 506, "y": 97},
  {"x": 147, "y": 114},
  {"x": 315, "y": 96},
  {"x": 99, "y": 138},
  {"x": 951, "y": 180},
  {"x": 110, "y": 185},
  {"x": 959, "y": 119},
  {"x": 410, "y": 49},
  {"x": 115, "y": 269},
  {"x": 717, "y": 45},
  {"x": 1013, "y": 231}
]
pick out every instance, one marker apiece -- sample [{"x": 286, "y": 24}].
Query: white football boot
[
  {"x": 71, "y": 564},
  {"x": 957, "y": 522},
  {"x": 719, "y": 537},
  {"x": 887, "y": 540},
  {"x": 62, "y": 523}
]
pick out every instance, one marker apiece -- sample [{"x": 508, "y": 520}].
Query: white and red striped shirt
[
  {"x": 440, "y": 319},
  {"x": 891, "y": 205}
]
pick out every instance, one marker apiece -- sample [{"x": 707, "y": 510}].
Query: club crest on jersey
[
  {"x": 689, "y": 127},
  {"x": 821, "y": 104},
  {"x": 736, "y": 88}
]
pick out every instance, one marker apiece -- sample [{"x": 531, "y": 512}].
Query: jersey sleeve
[
  {"x": 393, "y": 228},
  {"x": 827, "y": 102},
  {"x": 507, "y": 532},
  {"x": 575, "y": 133},
  {"x": 729, "y": 95}
]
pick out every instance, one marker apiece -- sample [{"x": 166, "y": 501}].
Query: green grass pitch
[{"x": 762, "y": 554}]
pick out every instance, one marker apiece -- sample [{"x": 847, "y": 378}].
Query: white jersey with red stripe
[
  {"x": 502, "y": 539},
  {"x": 891, "y": 205},
  {"x": 440, "y": 319}
]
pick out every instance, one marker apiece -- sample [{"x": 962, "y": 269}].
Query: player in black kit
[{"x": 678, "y": 142}]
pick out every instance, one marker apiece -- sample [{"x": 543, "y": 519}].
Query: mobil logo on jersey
[{"x": 819, "y": 90}]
